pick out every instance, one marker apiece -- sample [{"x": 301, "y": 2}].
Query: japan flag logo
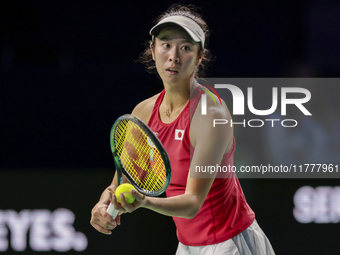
[{"x": 179, "y": 134}]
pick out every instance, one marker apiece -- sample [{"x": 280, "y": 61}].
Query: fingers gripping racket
[{"x": 140, "y": 156}]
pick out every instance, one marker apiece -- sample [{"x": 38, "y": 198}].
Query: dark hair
[{"x": 189, "y": 11}]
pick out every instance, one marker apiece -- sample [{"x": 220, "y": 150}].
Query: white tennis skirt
[{"x": 251, "y": 241}]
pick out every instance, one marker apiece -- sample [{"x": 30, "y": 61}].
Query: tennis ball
[{"x": 125, "y": 188}]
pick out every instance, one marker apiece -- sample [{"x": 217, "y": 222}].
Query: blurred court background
[{"x": 67, "y": 71}]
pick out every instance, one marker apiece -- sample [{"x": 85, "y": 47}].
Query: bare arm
[{"x": 100, "y": 219}]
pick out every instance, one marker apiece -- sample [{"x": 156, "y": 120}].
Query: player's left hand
[{"x": 124, "y": 207}]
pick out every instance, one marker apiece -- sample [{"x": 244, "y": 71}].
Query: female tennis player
[{"x": 211, "y": 214}]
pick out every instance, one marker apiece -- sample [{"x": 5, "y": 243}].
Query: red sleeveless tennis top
[{"x": 225, "y": 212}]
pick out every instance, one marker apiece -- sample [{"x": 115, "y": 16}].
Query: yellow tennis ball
[{"x": 125, "y": 188}]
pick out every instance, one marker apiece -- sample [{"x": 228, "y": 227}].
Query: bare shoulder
[
  {"x": 144, "y": 109},
  {"x": 210, "y": 124},
  {"x": 214, "y": 110}
]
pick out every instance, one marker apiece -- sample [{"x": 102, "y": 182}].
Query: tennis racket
[{"x": 140, "y": 156}]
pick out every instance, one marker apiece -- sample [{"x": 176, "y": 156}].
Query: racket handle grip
[{"x": 112, "y": 211}]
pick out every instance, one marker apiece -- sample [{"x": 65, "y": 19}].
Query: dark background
[{"x": 68, "y": 71}]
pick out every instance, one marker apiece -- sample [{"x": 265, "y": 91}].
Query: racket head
[{"x": 140, "y": 156}]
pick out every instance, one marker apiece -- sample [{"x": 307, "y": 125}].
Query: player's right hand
[{"x": 101, "y": 220}]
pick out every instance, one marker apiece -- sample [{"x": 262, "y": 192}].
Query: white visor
[{"x": 190, "y": 26}]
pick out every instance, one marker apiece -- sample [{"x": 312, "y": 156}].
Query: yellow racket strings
[{"x": 139, "y": 156}]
